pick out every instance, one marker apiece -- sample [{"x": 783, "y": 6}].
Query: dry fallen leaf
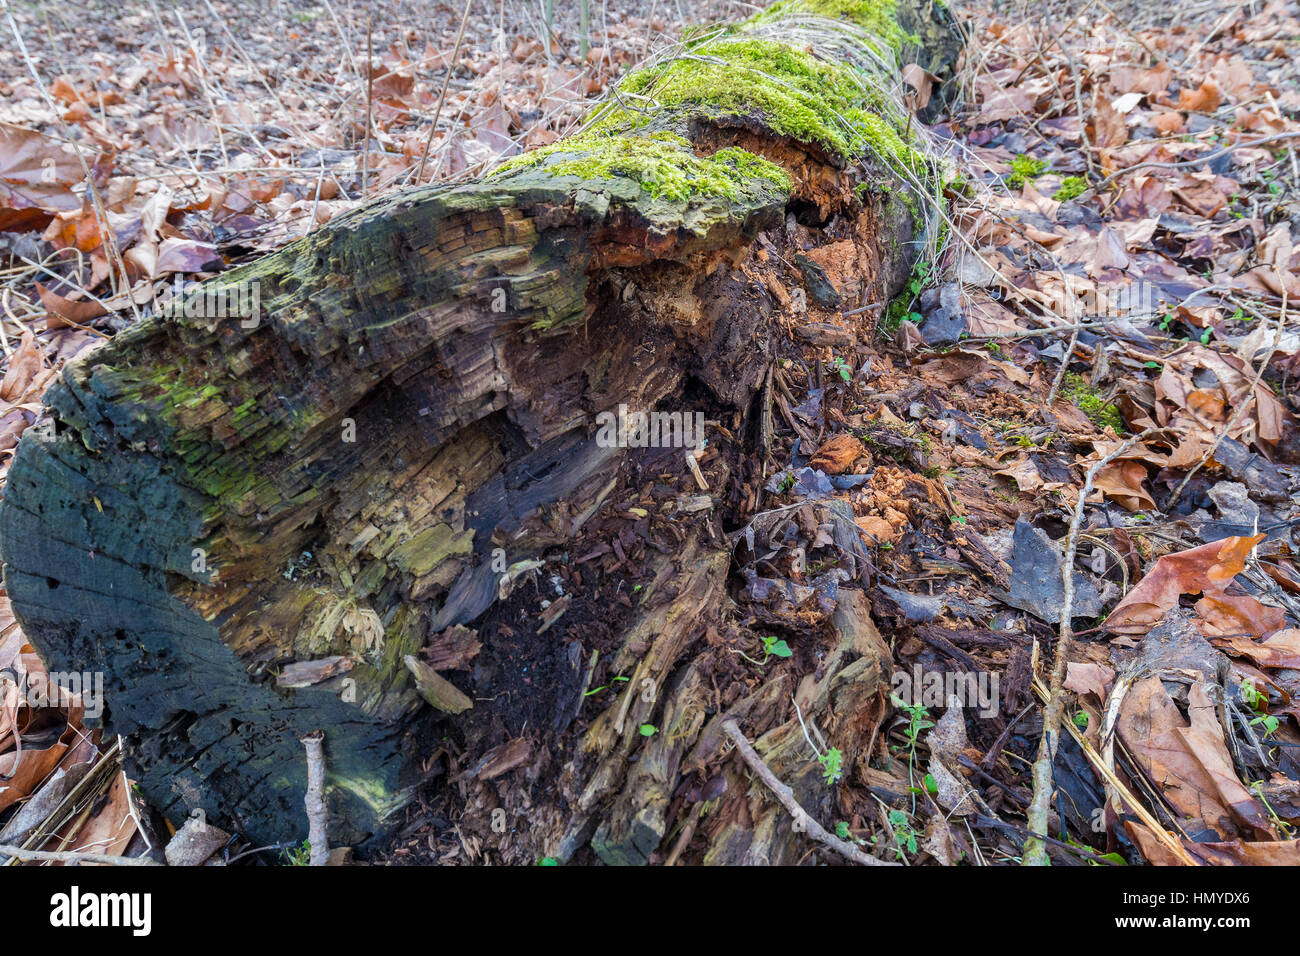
[
  {"x": 837, "y": 455},
  {"x": 1207, "y": 569}
]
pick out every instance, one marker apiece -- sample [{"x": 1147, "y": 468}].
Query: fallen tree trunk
[{"x": 388, "y": 494}]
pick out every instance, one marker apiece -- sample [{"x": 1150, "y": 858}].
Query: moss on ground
[
  {"x": 1070, "y": 188},
  {"x": 1076, "y": 388},
  {"x": 1024, "y": 168},
  {"x": 662, "y": 164}
]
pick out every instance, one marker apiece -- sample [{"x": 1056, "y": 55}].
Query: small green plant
[
  {"x": 1081, "y": 720},
  {"x": 298, "y": 855},
  {"x": 904, "y": 835},
  {"x": 597, "y": 690},
  {"x": 832, "y": 762},
  {"x": 844, "y": 369},
  {"x": 1025, "y": 168},
  {"x": 1257, "y": 701},
  {"x": 772, "y": 647},
  {"x": 842, "y": 830},
  {"x": 1257, "y": 788},
  {"x": 647, "y": 730},
  {"x": 786, "y": 483},
  {"x": 900, "y": 308},
  {"x": 1071, "y": 188},
  {"x": 775, "y": 648},
  {"x": 918, "y": 721},
  {"x": 548, "y": 861}
]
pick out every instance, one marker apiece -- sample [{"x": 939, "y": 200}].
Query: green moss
[
  {"x": 877, "y": 17},
  {"x": 1071, "y": 186},
  {"x": 1076, "y": 388},
  {"x": 1024, "y": 168},
  {"x": 795, "y": 93},
  {"x": 662, "y": 164}
]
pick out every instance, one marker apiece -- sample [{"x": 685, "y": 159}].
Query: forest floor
[{"x": 1095, "y": 371}]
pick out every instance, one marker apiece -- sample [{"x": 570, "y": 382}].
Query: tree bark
[{"x": 382, "y": 509}]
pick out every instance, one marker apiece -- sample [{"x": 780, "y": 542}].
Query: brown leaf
[
  {"x": 837, "y": 455},
  {"x": 76, "y": 311},
  {"x": 1207, "y": 569},
  {"x": 1188, "y": 759},
  {"x": 23, "y": 368},
  {"x": 921, "y": 81},
  {"x": 1204, "y": 99},
  {"x": 1122, "y": 481}
]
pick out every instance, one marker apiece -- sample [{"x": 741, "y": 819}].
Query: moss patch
[
  {"x": 1071, "y": 186},
  {"x": 878, "y": 17},
  {"x": 662, "y": 164},
  {"x": 795, "y": 93},
  {"x": 1076, "y": 388},
  {"x": 1024, "y": 168}
]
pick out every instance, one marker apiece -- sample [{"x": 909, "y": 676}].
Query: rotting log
[{"x": 336, "y": 513}]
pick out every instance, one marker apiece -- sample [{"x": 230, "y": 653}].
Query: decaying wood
[{"x": 340, "y": 513}]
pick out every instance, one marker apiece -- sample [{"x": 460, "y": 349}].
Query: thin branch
[
  {"x": 446, "y": 81},
  {"x": 1035, "y": 852},
  {"x": 786, "y": 796},
  {"x": 1244, "y": 402},
  {"x": 75, "y": 856},
  {"x": 317, "y": 835}
]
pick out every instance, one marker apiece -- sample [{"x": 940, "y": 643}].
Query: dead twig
[
  {"x": 786, "y": 796},
  {"x": 1243, "y": 402},
  {"x": 317, "y": 835},
  {"x": 446, "y": 81},
  {"x": 1035, "y": 851},
  {"x": 74, "y": 856},
  {"x": 1197, "y": 161}
]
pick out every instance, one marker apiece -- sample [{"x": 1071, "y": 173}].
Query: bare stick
[
  {"x": 446, "y": 81},
  {"x": 317, "y": 835},
  {"x": 1196, "y": 161},
  {"x": 370, "y": 85},
  {"x": 74, "y": 856},
  {"x": 1035, "y": 852},
  {"x": 1065, "y": 364},
  {"x": 786, "y": 796}
]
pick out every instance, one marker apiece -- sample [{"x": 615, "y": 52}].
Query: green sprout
[{"x": 832, "y": 762}]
